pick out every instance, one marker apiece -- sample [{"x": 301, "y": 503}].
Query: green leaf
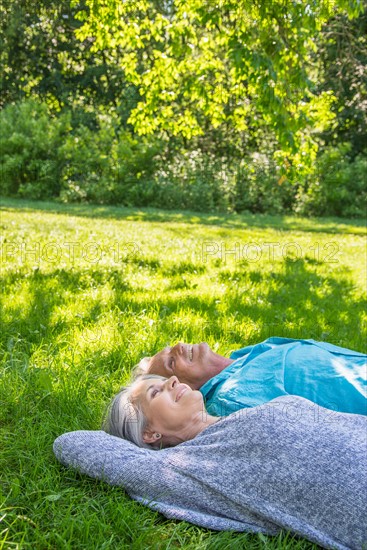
[
  {"x": 53, "y": 498},
  {"x": 45, "y": 380}
]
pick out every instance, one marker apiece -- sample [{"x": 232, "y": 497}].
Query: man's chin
[
  {"x": 209, "y": 350},
  {"x": 204, "y": 346}
]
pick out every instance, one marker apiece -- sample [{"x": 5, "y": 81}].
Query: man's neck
[{"x": 215, "y": 367}]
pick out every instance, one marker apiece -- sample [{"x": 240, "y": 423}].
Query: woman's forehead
[
  {"x": 137, "y": 389},
  {"x": 140, "y": 389}
]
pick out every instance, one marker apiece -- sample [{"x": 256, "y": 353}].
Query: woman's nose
[{"x": 171, "y": 382}]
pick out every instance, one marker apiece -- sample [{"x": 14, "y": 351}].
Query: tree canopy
[{"x": 237, "y": 63}]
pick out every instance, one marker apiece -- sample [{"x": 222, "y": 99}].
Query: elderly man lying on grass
[{"x": 327, "y": 375}]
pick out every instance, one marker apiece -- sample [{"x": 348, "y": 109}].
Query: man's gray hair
[
  {"x": 141, "y": 368},
  {"x": 125, "y": 418}
]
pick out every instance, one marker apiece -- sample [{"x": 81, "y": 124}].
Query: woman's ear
[{"x": 151, "y": 437}]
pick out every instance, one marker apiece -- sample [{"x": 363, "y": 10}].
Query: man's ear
[{"x": 143, "y": 365}]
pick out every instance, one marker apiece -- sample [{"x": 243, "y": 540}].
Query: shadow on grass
[
  {"x": 234, "y": 221},
  {"x": 51, "y": 291},
  {"x": 296, "y": 302}
]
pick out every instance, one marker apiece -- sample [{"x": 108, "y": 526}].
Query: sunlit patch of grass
[{"x": 88, "y": 291}]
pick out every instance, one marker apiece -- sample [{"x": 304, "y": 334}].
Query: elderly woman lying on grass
[
  {"x": 328, "y": 375},
  {"x": 263, "y": 469},
  {"x": 274, "y": 466}
]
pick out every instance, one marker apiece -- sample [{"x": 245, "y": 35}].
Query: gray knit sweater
[{"x": 286, "y": 464}]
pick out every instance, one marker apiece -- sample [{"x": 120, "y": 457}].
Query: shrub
[
  {"x": 339, "y": 186},
  {"x": 135, "y": 165},
  {"x": 87, "y": 164},
  {"x": 196, "y": 181},
  {"x": 106, "y": 166},
  {"x": 29, "y": 142},
  {"x": 259, "y": 187},
  {"x": 91, "y": 158}
]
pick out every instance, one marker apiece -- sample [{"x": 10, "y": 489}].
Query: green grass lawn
[{"x": 87, "y": 291}]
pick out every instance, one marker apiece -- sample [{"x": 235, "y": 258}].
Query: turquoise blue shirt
[{"x": 328, "y": 375}]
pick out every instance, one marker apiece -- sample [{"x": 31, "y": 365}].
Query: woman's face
[
  {"x": 191, "y": 363},
  {"x": 169, "y": 406}
]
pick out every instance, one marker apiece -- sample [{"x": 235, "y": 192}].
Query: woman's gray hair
[{"x": 125, "y": 418}]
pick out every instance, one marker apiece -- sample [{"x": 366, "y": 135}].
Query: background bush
[
  {"x": 46, "y": 155},
  {"x": 30, "y": 145},
  {"x": 339, "y": 186}
]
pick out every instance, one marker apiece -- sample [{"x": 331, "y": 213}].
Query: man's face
[{"x": 191, "y": 363}]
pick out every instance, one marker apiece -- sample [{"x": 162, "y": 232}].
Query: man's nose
[{"x": 178, "y": 348}]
